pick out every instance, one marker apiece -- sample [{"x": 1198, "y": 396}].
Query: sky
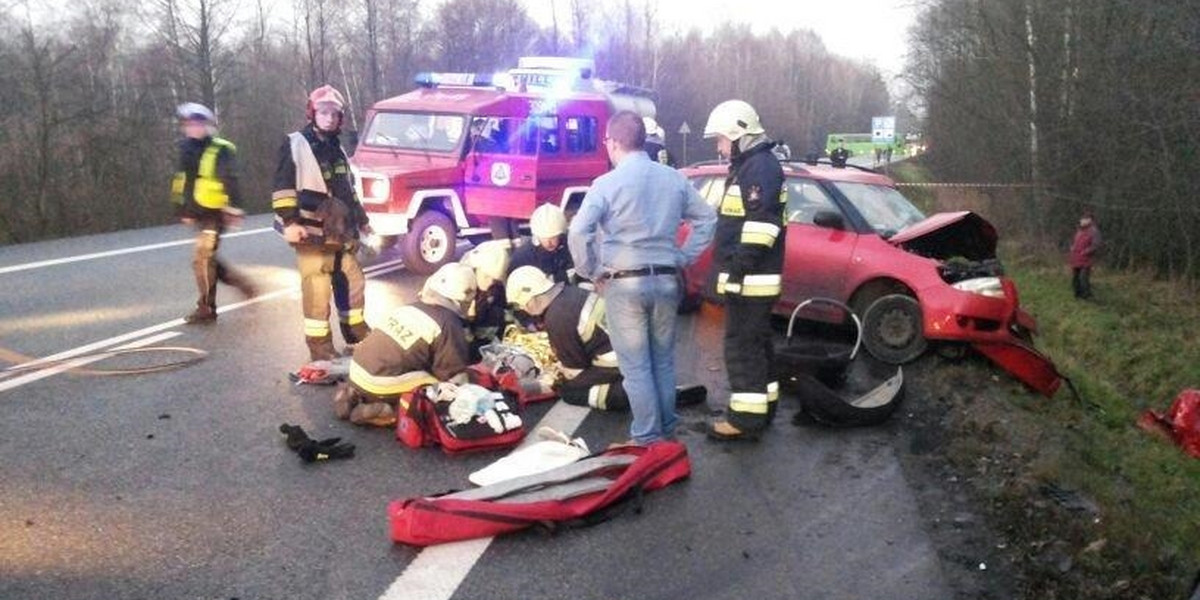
[{"x": 869, "y": 30}]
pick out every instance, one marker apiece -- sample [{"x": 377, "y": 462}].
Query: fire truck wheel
[
  {"x": 429, "y": 243},
  {"x": 892, "y": 329}
]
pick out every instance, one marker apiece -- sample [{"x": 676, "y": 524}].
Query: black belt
[{"x": 642, "y": 272}]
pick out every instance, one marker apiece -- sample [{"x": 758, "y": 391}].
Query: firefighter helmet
[
  {"x": 526, "y": 283},
  {"x": 733, "y": 119},
  {"x": 490, "y": 262},
  {"x": 653, "y": 130},
  {"x": 327, "y": 95},
  {"x": 548, "y": 222},
  {"x": 192, "y": 111},
  {"x": 454, "y": 282}
]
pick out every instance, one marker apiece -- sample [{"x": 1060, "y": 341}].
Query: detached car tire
[
  {"x": 430, "y": 242},
  {"x": 893, "y": 330}
]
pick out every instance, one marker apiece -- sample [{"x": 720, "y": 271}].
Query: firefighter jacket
[
  {"x": 487, "y": 316},
  {"x": 206, "y": 181},
  {"x": 415, "y": 341},
  {"x": 314, "y": 187},
  {"x": 749, "y": 241},
  {"x": 575, "y": 324},
  {"x": 658, "y": 153},
  {"x": 556, "y": 263}
]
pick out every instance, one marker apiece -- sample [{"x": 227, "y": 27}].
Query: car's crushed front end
[{"x": 976, "y": 303}]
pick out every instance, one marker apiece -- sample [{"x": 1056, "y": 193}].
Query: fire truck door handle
[{"x": 527, "y": 178}]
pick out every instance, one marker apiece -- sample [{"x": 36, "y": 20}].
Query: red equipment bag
[
  {"x": 1180, "y": 424},
  {"x": 581, "y": 491},
  {"x": 508, "y": 381},
  {"x": 422, "y": 422}
]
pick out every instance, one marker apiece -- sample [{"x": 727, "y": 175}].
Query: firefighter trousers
[
  {"x": 208, "y": 269},
  {"x": 749, "y": 357},
  {"x": 325, "y": 274},
  {"x": 597, "y": 387}
]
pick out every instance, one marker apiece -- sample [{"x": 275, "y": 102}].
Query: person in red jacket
[{"x": 1083, "y": 255}]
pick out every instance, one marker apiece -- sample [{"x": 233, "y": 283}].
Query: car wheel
[
  {"x": 429, "y": 243},
  {"x": 892, "y": 330}
]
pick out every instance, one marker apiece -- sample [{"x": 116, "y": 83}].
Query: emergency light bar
[{"x": 428, "y": 79}]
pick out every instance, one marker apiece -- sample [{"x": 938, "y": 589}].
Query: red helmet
[{"x": 324, "y": 94}]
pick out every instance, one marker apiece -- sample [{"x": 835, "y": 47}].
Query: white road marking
[
  {"x": 47, "y": 372},
  {"x": 438, "y": 570},
  {"x": 70, "y": 259},
  {"x": 369, "y": 272}
]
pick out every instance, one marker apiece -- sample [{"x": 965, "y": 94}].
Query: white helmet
[
  {"x": 490, "y": 262},
  {"x": 548, "y": 222},
  {"x": 525, "y": 283},
  {"x": 192, "y": 111},
  {"x": 652, "y": 128},
  {"x": 733, "y": 119},
  {"x": 454, "y": 282}
]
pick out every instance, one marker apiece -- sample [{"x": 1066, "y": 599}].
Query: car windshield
[
  {"x": 433, "y": 132},
  {"x": 885, "y": 209}
]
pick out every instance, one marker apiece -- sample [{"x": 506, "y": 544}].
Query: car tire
[
  {"x": 430, "y": 242},
  {"x": 892, "y": 329}
]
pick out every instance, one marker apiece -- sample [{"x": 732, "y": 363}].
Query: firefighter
[
  {"x": 485, "y": 317},
  {"x": 748, "y": 255},
  {"x": 574, "y": 321},
  {"x": 656, "y": 142},
  {"x": 205, "y": 192},
  {"x": 417, "y": 344},
  {"x": 840, "y": 155},
  {"x": 318, "y": 213},
  {"x": 549, "y": 251}
]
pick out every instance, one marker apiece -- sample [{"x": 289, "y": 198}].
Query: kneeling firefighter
[
  {"x": 748, "y": 260},
  {"x": 418, "y": 344},
  {"x": 486, "y": 316},
  {"x": 574, "y": 321},
  {"x": 548, "y": 252}
]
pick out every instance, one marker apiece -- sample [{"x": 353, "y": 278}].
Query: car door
[
  {"x": 502, "y": 169},
  {"x": 817, "y": 258}
]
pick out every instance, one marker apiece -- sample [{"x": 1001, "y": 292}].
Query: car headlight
[
  {"x": 984, "y": 286},
  {"x": 376, "y": 190}
]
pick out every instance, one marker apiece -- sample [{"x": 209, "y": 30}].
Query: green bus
[{"x": 860, "y": 144}]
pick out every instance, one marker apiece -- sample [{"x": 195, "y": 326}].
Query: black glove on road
[{"x": 311, "y": 450}]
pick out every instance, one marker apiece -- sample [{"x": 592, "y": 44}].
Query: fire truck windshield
[{"x": 426, "y": 132}]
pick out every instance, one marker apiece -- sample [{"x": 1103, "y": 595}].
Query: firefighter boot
[
  {"x": 202, "y": 315},
  {"x": 355, "y": 333},
  {"x": 320, "y": 348},
  {"x": 725, "y": 431}
]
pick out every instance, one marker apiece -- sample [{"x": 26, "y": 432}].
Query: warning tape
[{"x": 968, "y": 185}]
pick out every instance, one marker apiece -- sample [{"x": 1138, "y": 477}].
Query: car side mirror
[{"x": 829, "y": 220}]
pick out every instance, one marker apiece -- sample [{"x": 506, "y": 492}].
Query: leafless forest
[
  {"x": 89, "y": 89},
  {"x": 1097, "y": 101}
]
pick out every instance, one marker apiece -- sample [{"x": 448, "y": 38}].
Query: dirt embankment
[{"x": 983, "y": 468}]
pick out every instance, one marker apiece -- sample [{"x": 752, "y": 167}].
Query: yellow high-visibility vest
[{"x": 208, "y": 190}]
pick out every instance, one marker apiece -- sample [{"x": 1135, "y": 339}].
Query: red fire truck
[{"x": 439, "y": 162}]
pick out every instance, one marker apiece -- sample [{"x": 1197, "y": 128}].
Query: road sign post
[{"x": 684, "y": 130}]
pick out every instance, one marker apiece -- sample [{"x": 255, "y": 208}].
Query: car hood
[
  {"x": 951, "y": 234},
  {"x": 403, "y": 163}
]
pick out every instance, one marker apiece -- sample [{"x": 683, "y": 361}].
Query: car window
[
  {"x": 416, "y": 131},
  {"x": 716, "y": 192},
  {"x": 500, "y": 135},
  {"x": 805, "y": 199},
  {"x": 581, "y": 134},
  {"x": 886, "y": 210},
  {"x": 701, "y": 184}
]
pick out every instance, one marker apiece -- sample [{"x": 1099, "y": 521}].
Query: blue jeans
[{"x": 641, "y": 314}]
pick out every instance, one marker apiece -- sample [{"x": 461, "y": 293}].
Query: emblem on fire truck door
[{"x": 501, "y": 173}]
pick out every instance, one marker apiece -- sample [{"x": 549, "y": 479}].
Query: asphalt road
[{"x": 178, "y": 485}]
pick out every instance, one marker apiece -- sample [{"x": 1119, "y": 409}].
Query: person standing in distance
[
  {"x": 748, "y": 259},
  {"x": 206, "y": 194},
  {"x": 635, "y": 263}
]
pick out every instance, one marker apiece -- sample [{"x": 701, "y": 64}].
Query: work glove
[{"x": 311, "y": 450}]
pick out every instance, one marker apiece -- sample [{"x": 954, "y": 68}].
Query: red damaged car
[{"x": 912, "y": 279}]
